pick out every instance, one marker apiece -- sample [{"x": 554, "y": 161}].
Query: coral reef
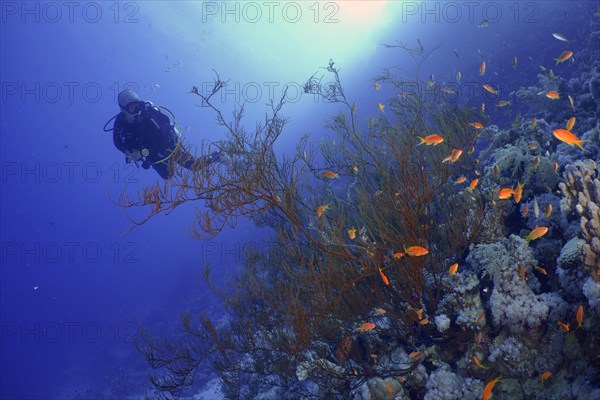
[
  {"x": 463, "y": 302},
  {"x": 591, "y": 290},
  {"x": 303, "y": 369},
  {"x": 516, "y": 308},
  {"x": 581, "y": 191},
  {"x": 513, "y": 303},
  {"x": 443, "y": 384},
  {"x": 517, "y": 162},
  {"x": 594, "y": 84},
  {"x": 569, "y": 270},
  {"x": 442, "y": 322}
]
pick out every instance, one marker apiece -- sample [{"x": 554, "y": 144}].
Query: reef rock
[{"x": 581, "y": 191}]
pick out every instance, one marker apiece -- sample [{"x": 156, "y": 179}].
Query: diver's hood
[{"x": 127, "y": 97}]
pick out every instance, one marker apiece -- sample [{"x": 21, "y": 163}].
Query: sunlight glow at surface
[{"x": 290, "y": 44}]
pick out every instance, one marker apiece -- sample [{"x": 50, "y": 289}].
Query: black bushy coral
[{"x": 298, "y": 309}]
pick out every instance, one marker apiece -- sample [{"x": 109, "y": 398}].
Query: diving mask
[{"x": 132, "y": 111}]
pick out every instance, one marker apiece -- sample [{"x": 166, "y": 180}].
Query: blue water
[{"x": 76, "y": 284}]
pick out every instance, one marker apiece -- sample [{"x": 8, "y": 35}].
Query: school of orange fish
[{"x": 564, "y": 135}]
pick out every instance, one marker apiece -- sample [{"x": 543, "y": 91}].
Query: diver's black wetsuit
[{"x": 151, "y": 130}]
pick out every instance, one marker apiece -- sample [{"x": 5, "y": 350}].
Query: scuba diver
[{"x": 145, "y": 134}]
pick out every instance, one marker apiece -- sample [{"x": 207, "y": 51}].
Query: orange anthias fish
[
  {"x": 505, "y": 193},
  {"x": 431, "y": 140},
  {"x": 579, "y": 316},
  {"x": 564, "y": 56},
  {"x": 398, "y": 255},
  {"x": 419, "y": 313},
  {"x": 525, "y": 210},
  {"x": 476, "y": 125},
  {"x": 453, "y": 269},
  {"x": 548, "y": 210},
  {"x": 381, "y": 106},
  {"x": 415, "y": 354},
  {"x": 377, "y": 86},
  {"x": 537, "y": 233},
  {"x": 565, "y": 136},
  {"x": 552, "y": 94},
  {"x": 367, "y": 326},
  {"x": 478, "y": 363},
  {"x": 541, "y": 270},
  {"x": 490, "y": 89},
  {"x": 545, "y": 375},
  {"x": 482, "y": 68},
  {"x": 522, "y": 272},
  {"x": 454, "y": 156},
  {"x": 480, "y": 318},
  {"x": 460, "y": 180},
  {"x": 321, "y": 210},
  {"x": 533, "y": 122},
  {"x": 518, "y": 192},
  {"x": 330, "y": 175},
  {"x": 570, "y": 124},
  {"x": 487, "y": 391},
  {"x": 565, "y": 327},
  {"x": 473, "y": 185},
  {"x": 352, "y": 234},
  {"x": 384, "y": 278},
  {"x": 416, "y": 251}
]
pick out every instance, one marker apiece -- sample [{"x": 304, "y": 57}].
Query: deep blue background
[{"x": 75, "y": 288}]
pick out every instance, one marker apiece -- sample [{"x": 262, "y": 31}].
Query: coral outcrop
[
  {"x": 581, "y": 191},
  {"x": 513, "y": 303}
]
